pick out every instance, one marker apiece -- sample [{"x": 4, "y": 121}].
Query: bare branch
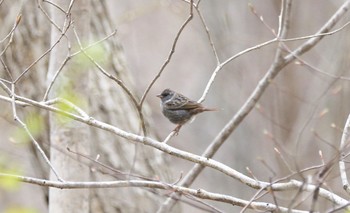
[
  {"x": 199, "y": 193},
  {"x": 293, "y": 184},
  {"x": 10, "y": 34},
  {"x": 69, "y": 56},
  {"x": 41, "y": 151},
  {"x": 47, "y": 15},
  {"x": 64, "y": 62},
  {"x": 55, "y": 5},
  {"x": 343, "y": 144},
  {"x": 207, "y": 31},
  {"x": 324, "y": 29}
]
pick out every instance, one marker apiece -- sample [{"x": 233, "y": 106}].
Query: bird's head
[{"x": 166, "y": 94}]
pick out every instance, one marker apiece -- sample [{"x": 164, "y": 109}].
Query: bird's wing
[{"x": 181, "y": 102}]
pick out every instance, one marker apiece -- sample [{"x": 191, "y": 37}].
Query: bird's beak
[{"x": 159, "y": 96}]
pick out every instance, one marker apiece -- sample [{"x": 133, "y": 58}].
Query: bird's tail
[{"x": 209, "y": 109}]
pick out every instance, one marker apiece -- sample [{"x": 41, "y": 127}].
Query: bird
[{"x": 179, "y": 109}]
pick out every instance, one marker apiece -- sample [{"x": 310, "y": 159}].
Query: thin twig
[
  {"x": 258, "y": 46},
  {"x": 220, "y": 66},
  {"x": 207, "y": 31},
  {"x": 24, "y": 126},
  {"x": 64, "y": 62},
  {"x": 172, "y": 51},
  {"x": 120, "y": 176},
  {"x": 206, "y": 90},
  {"x": 109, "y": 167},
  {"x": 41, "y": 151},
  {"x": 213, "y": 208},
  {"x": 13, "y": 102},
  {"x": 66, "y": 27},
  {"x": 94, "y": 44},
  {"x": 10, "y": 34},
  {"x": 48, "y": 16},
  {"x": 118, "y": 81},
  {"x": 7, "y": 71},
  {"x": 55, "y": 5},
  {"x": 70, "y": 56},
  {"x": 172, "y": 134},
  {"x": 5, "y": 88}
]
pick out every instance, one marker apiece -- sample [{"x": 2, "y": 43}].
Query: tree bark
[{"x": 75, "y": 84}]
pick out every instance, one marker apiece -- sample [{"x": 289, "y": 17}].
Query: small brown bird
[{"x": 178, "y": 108}]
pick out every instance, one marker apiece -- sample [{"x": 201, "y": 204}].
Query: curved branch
[{"x": 172, "y": 51}]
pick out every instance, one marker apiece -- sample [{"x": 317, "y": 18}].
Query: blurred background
[{"x": 302, "y": 113}]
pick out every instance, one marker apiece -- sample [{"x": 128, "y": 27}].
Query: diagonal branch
[
  {"x": 278, "y": 64},
  {"x": 343, "y": 144},
  {"x": 264, "y": 83}
]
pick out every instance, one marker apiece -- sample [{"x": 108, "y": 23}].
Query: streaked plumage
[{"x": 178, "y": 108}]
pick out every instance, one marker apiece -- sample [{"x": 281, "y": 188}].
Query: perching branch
[{"x": 293, "y": 184}]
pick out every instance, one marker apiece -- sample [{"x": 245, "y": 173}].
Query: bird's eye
[{"x": 165, "y": 93}]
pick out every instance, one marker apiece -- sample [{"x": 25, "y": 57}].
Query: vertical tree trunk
[
  {"x": 112, "y": 105},
  {"x": 101, "y": 97},
  {"x": 72, "y": 83}
]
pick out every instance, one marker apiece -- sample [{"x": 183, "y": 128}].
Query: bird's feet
[{"x": 177, "y": 129}]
